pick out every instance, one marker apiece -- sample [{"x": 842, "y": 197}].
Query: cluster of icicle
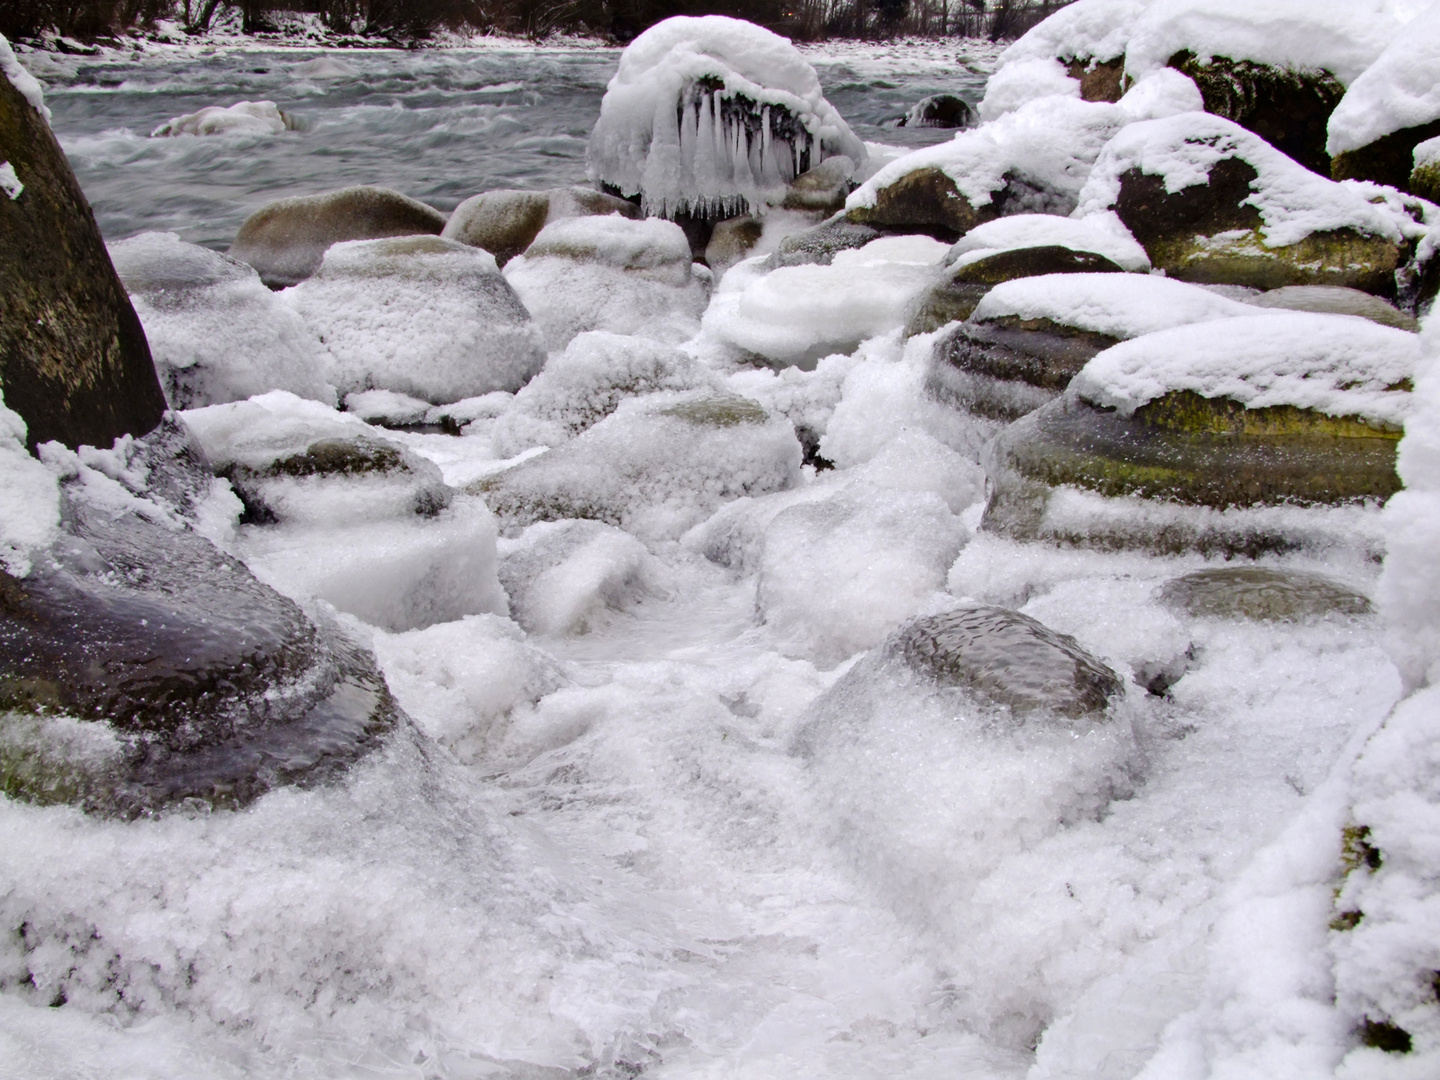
[{"x": 711, "y": 117}]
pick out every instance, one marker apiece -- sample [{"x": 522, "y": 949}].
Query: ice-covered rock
[
  {"x": 73, "y": 358},
  {"x": 505, "y": 222},
  {"x": 821, "y": 188},
  {"x": 561, "y": 577},
  {"x": 821, "y": 243},
  {"x": 837, "y": 574},
  {"x": 1392, "y": 107},
  {"x": 797, "y": 314},
  {"x": 242, "y": 118},
  {"x": 1335, "y": 300},
  {"x": 586, "y": 383},
  {"x": 1027, "y": 338},
  {"x": 419, "y": 315},
  {"x": 1213, "y": 202},
  {"x": 216, "y": 333},
  {"x": 710, "y": 116},
  {"x": 1103, "y": 234},
  {"x": 613, "y": 274},
  {"x": 286, "y": 240},
  {"x": 1262, "y": 592},
  {"x": 655, "y": 467}
]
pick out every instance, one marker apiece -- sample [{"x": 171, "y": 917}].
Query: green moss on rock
[
  {"x": 1388, "y": 160},
  {"x": 1340, "y": 257}
]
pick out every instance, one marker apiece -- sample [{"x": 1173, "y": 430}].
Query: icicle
[{"x": 689, "y": 144}]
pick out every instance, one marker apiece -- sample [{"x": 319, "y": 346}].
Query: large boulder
[
  {"x": 505, "y": 222},
  {"x": 1213, "y": 203},
  {"x": 73, "y": 358},
  {"x": 420, "y": 315},
  {"x": 1265, "y": 411},
  {"x": 1027, "y": 338},
  {"x": 286, "y": 240},
  {"x": 216, "y": 332},
  {"x": 711, "y": 116}
]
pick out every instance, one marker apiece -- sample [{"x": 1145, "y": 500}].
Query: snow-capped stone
[
  {"x": 505, "y": 222},
  {"x": 242, "y": 118}
]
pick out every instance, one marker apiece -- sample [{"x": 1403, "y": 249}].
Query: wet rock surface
[
  {"x": 821, "y": 244},
  {"x": 1328, "y": 299},
  {"x": 141, "y": 668},
  {"x": 505, "y": 222},
  {"x": 821, "y": 189},
  {"x": 73, "y": 358},
  {"x": 286, "y": 240},
  {"x": 1100, "y": 80},
  {"x": 925, "y": 200},
  {"x": 1006, "y": 658},
  {"x": 1261, "y": 593},
  {"x": 1390, "y": 159}
]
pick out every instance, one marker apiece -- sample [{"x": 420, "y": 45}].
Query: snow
[
  {"x": 1120, "y": 305},
  {"x": 418, "y": 315},
  {"x": 29, "y": 499},
  {"x": 1022, "y": 81},
  {"x": 1083, "y": 30},
  {"x": 613, "y": 274},
  {"x": 9, "y": 182},
  {"x": 266, "y": 428},
  {"x": 1397, "y": 91},
  {"x": 216, "y": 333},
  {"x": 1335, "y": 364},
  {"x": 1103, "y": 233},
  {"x": 562, "y": 577},
  {"x": 1293, "y": 201},
  {"x": 797, "y": 314},
  {"x": 242, "y": 118},
  {"x": 21, "y": 79},
  {"x": 1341, "y": 38},
  {"x": 683, "y": 149}
]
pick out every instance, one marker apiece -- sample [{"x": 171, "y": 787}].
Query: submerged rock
[
  {"x": 1261, "y": 593},
  {"x": 940, "y": 111},
  {"x": 505, "y": 222},
  {"x": 1006, "y": 658},
  {"x": 286, "y": 240},
  {"x": 74, "y": 362},
  {"x": 141, "y": 668}
]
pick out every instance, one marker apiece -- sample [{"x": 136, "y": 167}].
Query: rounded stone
[
  {"x": 1335, "y": 300},
  {"x": 925, "y": 200},
  {"x": 286, "y": 241},
  {"x": 505, "y": 222},
  {"x": 820, "y": 245},
  {"x": 1261, "y": 593},
  {"x": 939, "y": 111}
]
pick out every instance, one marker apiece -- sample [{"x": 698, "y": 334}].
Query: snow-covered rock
[
  {"x": 420, "y": 315},
  {"x": 242, "y": 118},
  {"x": 1103, "y": 233},
  {"x": 709, "y": 116},
  {"x": 562, "y": 577},
  {"x": 216, "y": 333},
  {"x": 505, "y": 222},
  {"x": 797, "y": 314},
  {"x": 612, "y": 274}
]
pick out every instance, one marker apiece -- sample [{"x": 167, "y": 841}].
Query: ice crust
[
  {"x": 1397, "y": 91},
  {"x": 685, "y": 151},
  {"x": 242, "y": 118},
  {"x": 1339, "y": 365},
  {"x": 1293, "y": 201},
  {"x": 1103, "y": 233},
  {"x": 29, "y": 498},
  {"x": 1121, "y": 305}
]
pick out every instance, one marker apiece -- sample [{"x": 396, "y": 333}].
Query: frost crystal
[{"x": 709, "y": 116}]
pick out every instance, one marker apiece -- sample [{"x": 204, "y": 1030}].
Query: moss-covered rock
[
  {"x": 505, "y": 222},
  {"x": 1288, "y": 109},
  {"x": 1425, "y": 181},
  {"x": 285, "y": 241},
  {"x": 1261, "y": 593},
  {"x": 924, "y": 200},
  {"x": 1390, "y": 159},
  {"x": 1005, "y": 368},
  {"x": 955, "y": 295},
  {"x": 1339, "y": 258},
  {"x": 73, "y": 358},
  {"x": 1188, "y": 451},
  {"x": 1100, "y": 80},
  {"x": 1009, "y": 659}
]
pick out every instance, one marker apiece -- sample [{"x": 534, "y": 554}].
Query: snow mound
[
  {"x": 1335, "y": 364},
  {"x": 29, "y": 498},
  {"x": 419, "y": 315},
  {"x": 1103, "y": 233},
  {"x": 1023, "y": 81},
  {"x": 1083, "y": 30},
  {"x": 1120, "y": 305},
  {"x": 797, "y": 314},
  {"x": 267, "y": 427},
  {"x": 586, "y": 383},
  {"x": 1399, "y": 90},
  {"x": 563, "y": 576},
  {"x": 712, "y": 115},
  {"x": 216, "y": 333},
  {"x": 610, "y": 273},
  {"x": 21, "y": 79},
  {"x": 1293, "y": 201},
  {"x": 242, "y": 118},
  {"x": 1299, "y": 35}
]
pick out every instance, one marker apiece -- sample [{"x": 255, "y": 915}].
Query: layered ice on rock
[
  {"x": 29, "y": 498},
  {"x": 1339, "y": 365},
  {"x": 215, "y": 332},
  {"x": 419, "y": 315},
  {"x": 1293, "y": 201},
  {"x": 1299, "y": 35},
  {"x": 1119, "y": 305},
  {"x": 242, "y": 118},
  {"x": 710, "y": 116},
  {"x": 797, "y": 314},
  {"x": 586, "y": 383},
  {"x": 1103, "y": 233},
  {"x": 563, "y": 577},
  {"x": 610, "y": 273},
  {"x": 1397, "y": 91}
]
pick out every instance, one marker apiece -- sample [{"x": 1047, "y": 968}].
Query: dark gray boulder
[
  {"x": 1263, "y": 593},
  {"x": 939, "y": 111}
]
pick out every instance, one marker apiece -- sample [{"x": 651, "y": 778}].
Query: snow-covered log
[{"x": 710, "y": 116}]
